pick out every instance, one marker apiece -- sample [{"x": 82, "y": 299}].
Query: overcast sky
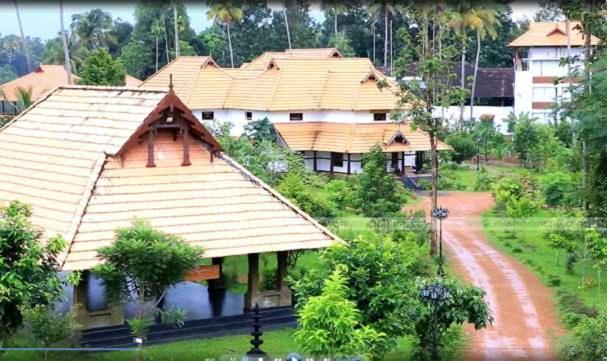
[{"x": 41, "y": 19}]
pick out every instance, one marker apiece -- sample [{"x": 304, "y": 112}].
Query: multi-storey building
[
  {"x": 312, "y": 92},
  {"x": 542, "y": 78}
]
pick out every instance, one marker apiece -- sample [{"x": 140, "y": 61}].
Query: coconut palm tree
[
  {"x": 335, "y": 7},
  {"x": 93, "y": 29},
  {"x": 66, "y": 52},
  {"x": 24, "y": 98},
  {"x": 227, "y": 13},
  {"x": 23, "y": 41},
  {"x": 486, "y": 24},
  {"x": 157, "y": 30},
  {"x": 284, "y": 14}
]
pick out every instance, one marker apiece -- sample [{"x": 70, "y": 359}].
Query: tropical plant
[
  {"x": 24, "y": 98},
  {"x": 330, "y": 325},
  {"x": 384, "y": 7},
  {"x": 341, "y": 42},
  {"x": 293, "y": 187},
  {"x": 335, "y": 8},
  {"x": 141, "y": 265},
  {"x": 157, "y": 30},
  {"x": 29, "y": 267},
  {"x": 588, "y": 341},
  {"x": 567, "y": 234},
  {"x": 286, "y": 18},
  {"x": 93, "y": 29},
  {"x": 136, "y": 58},
  {"x": 44, "y": 325},
  {"x": 378, "y": 193},
  {"x": 596, "y": 242},
  {"x": 464, "y": 147},
  {"x": 464, "y": 304},
  {"x": 228, "y": 13},
  {"x": 101, "y": 69}
]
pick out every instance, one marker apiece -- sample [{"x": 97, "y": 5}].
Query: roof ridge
[
  {"x": 85, "y": 199},
  {"x": 278, "y": 196},
  {"x": 110, "y": 87}
]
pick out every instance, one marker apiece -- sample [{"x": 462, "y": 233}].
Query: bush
[
  {"x": 560, "y": 189},
  {"x": 484, "y": 181},
  {"x": 293, "y": 187},
  {"x": 44, "y": 325},
  {"x": 464, "y": 147},
  {"x": 268, "y": 279},
  {"x": 588, "y": 341},
  {"x": 572, "y": 303},
  {"x": 447, "y": 180},
  {"x": 554, "y": 280},
  {"x": 341, "y": 193}
]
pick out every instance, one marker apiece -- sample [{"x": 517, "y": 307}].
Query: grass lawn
[
  {"x": 532, "y": 250},
  {"x": 276, "y": 343}
]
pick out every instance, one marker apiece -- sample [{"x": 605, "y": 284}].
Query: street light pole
[{"x": 440, "y": 213}]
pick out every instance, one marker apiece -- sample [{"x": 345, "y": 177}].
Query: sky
[{"x": 41, "y": 18}]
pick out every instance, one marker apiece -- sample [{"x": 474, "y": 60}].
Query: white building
[
  {"x": 296, "y": 87},
  {"x": 542, "y": 79}
]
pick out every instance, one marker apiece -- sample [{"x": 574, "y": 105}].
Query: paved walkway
[{"x": 525, "y": 320}]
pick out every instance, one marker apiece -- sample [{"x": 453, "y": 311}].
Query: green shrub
[
  {"x": 294, "y": 188},
  {"x": 554, "y": 280},
  {"x": 448, "y": 181},
  {"x": 561, "y": 189},
  {"x": 268, "y": 279},
  {"x": 484, "y": 181},
  {"x": 588, "y": 341},
  {"x": 42, "y": 324},
  {"x": 572, "y": 303},
  {"x": 341, "y": 192},
  {"x": 464, "y": 147},
  {"x": 424, "y": 184}
]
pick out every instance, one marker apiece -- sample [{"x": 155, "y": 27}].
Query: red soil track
[{"x": 525, "y": 323}]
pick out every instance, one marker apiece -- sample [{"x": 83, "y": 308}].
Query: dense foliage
[
  {"x": 100, "y": 68},
  {"x": 28, "y": 267},
  {"x": 46, "y": 327}
]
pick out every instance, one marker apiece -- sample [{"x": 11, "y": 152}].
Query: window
[
  {"x": 544, "y": 94},
  {"x": 337, "y": 159},
  {"x": 378, "y": 117},
  {"x": 295, "y": 116},
  {"x": 208, "y": 115},
  {"x": 548, "y": 68},
  {"x": 248, "y": 115}
]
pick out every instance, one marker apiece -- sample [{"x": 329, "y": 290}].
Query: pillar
[
  {"x": 252, "y": 295},
  {"x": 281, "y": 275},
  {"x": 220, "y": 283},
  {"x": 80, "y": 299},
  {"x": 217, "y": 289}
]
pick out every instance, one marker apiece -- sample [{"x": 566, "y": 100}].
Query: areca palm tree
[
  {"x": 66, "y": 52},
  {"x": 470, "y": 15},
  {"x": 227, "y": 13},
  {"x": 176, "y": 21},
  {"x": 385, "y": 8},
  {"x": 284, "y": 14},
  {"x": 336, "y": 7},
  {"x": 11, "y": 50},
  {"x": 157, "y": 30},
  {"x": 23, "y": 41}
]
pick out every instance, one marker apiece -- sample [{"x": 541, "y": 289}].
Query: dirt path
[{"x": 525, "y": 321}]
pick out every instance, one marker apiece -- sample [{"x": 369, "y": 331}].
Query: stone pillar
[
  {"x": 220, "y": 283},
  {"x": 281, "y": 275},
  {"x": 252, "y": 295}
]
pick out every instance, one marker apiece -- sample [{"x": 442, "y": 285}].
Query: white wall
[
  {"x": 323, "y": 162},
  {"x": 238, "y": 118},
  {"x": 500, "y": 114}
]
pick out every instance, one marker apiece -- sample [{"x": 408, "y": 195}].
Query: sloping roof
[
  {"x": 491, "y": 82},
  {"x": 131, "y": 81},
  {"x": 285, "y": 83},
  {"x": 261, "y": 62},
  {"x": 353, "y": 137},
  {"x": 552, "y": 34},
  {"x": 42, "y": 80},
  {"x": 74, "y": 158}
]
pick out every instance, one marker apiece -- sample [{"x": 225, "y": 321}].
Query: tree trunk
[
  {"x": 335, "y": 20},
  {"x": 473, "y": 91},
  {"x": 391, "y": 50},
  {"x": 157, "y": 53},
  {"x": 166, "y": 40},
  {"x": 176, "y": 30},
  {"x": 230, "y": 45},
  {"x": 373, "y": 43},
  {"x": 434, "y": 194},
  {"x": 66, "y": 52},
  {"x": 284, "y": 14},
  {"x": 23, "y": 41},
  {"x": 462, "y": 84},
  {"x": 385, "y": 36}
]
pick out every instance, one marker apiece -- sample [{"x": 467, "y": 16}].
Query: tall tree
[
  {"x": 383, "y": 7},
  {"x": 66, "y": 52},
  {"x": 485, "y": 23},
  {"x": 157, "y": 30},
  {"x": 23, "y": 40},
  {"x": 93, "y": 29},
  {"x": 226, "y": 13},
  {"x": 176, "y": 21},
  {"x": 334, "y": 8},
  {"x": 101, "y": 69}
]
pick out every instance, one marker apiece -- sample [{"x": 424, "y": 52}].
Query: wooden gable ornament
[
  {"x": 172, "y": 114},
  {"x": 397, "y": 137}
]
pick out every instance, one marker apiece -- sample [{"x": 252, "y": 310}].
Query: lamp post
[
  {"x": 440, "y": 213},
  {"x": 436, "y": 295}
]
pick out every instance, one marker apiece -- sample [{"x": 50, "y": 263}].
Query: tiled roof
[
  {"x": 42, "y": 80},
  {"x": 131, "y": 81},
  {"x": 353, "y": 137},
  {"x": 66, "y": 156},
  {"x": 552, "y": 34},
  {"x": 261, "y": 62},
  {"x": 286, "y": 82}
]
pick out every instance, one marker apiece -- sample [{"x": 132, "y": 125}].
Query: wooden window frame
[
  {"x": 205, "y": 115},
  {"x": 248, "y": 115},
  {"x": 295, "y": 117},
  {"x": 337, "y": 159}
]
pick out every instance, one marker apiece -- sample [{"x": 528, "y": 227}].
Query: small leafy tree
[
  {"x": 47, "y": 327},
  {"x": 341, "y": 42},
  {"x": 293, "y": 187},
  {"x": 464, "y": 147},
  {"x": 260, "y": 130},
  {"x": 520, "y": 208},
  {"x": 588, "y": 341},
  {"x": 597, "y": 246},
  {"x": 28, "y": 267},
  {"x": 566, "y": 233},
  {"x": 101, "y": 69},
  {"x": 466, "y": 304},
  {"x": 378, "y": 192},
  {"x": 141, "y": 265},
  {"x": 330, "y": 325}
]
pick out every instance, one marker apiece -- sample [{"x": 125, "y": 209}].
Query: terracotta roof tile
[
  {"x": 42, "y": 80},
  {"x": 552, "y": 34}
]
